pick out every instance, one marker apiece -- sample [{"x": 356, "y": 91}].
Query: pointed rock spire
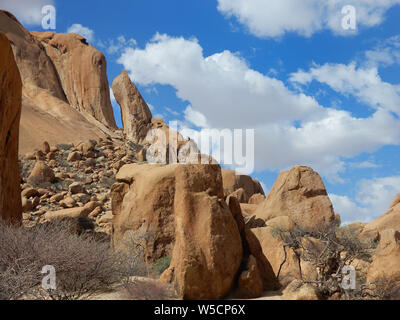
[{"x": 135, "y": 113}]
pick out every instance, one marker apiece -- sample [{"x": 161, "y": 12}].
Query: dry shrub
[
  {"x": 329, "y": 250},
  {"x": 83, "y": 265}
]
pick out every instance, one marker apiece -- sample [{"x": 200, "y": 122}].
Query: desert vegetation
[
  {"x": 329, "y": 250},
  {"x": 85, "y": 265}
]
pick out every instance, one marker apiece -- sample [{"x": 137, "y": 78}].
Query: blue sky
[{"x": 315, "y": 94}]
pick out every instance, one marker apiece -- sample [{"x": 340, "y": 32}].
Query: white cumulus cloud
[
  {"x": 363, "y": 83},
  {"x": 290, "y": 127},
  {"x": 274, "y": 18}
]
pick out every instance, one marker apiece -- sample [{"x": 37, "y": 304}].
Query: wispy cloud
[{"x": 83, "y": 31}]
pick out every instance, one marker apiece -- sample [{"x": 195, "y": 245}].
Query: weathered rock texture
[
  {"x": 389, "y": 220},
  {"x": 301, "y": 195},
  {"x": 36, "y": 68},
  {"x": 233, "y": 181},
  {"x": 47, "y": 114},
  {"x": 256, "y": 273},
  {"x": 10, "y": 112},
  {"x": 182, "y": 207},
  {"x": 144, "y": 199},
  {"x": 273, "y": 249},
  {"x": 386, "y": 261},
  {"x": 296, "y": 290},
  {"x": 82, "y": 71},
  {"x": 136, "y": 115}
]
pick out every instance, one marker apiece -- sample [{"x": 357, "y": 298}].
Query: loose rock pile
[{"x": 73, "y": 181}]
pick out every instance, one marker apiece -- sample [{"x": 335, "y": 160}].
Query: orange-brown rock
[
  {"x": 257, "y": 199},
  {"x": 36, "y": 68},
  {"x": 41, "y": 173},
  {"x": 233, "y": 181},
  {"x": 250, "y": 284},
  {"x": 389, "y": 220},
  {"x": 46, "y": 112},
  {"x": 239, "y": 194},
  {"x": 167, "y": 145},
  {"x": 273, "y": 249},
  {"x": 297, "y": 290},
  {"x": 255, "y": 277},
  {"x": 248, "y": 209},
  {"x": 82, "y": 71},
  {"x": 301, "y": 195},
  {"x": 10, "y": 111},
  {"x": 269, "y": 279},
  {"x": 144, "y": 199},
  {"x": 135, "y": 113},
  {"x": 182, "y": 208},
  {"x": 387, "y": 257}
]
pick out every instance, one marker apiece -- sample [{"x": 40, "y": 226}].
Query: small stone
[
  {"x": 45, "y": 147},
  {"x": 76, "y": 187}
]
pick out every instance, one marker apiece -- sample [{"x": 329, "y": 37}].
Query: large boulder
[
  {"x": 285, "y": 265},
  {"x": 233, "y": 181},
  {"x": 82, "y": 70},
  {"x": 10, "y": 112},
  {"x": 135, "y": 113},
  {"x": 36, "y": 68},
  {"x": 143, "y": 199},
  {"x": 301, "y": 195},
  {"x": 386, "y": 260},
  {"x": 47, "y": 114},
  {"x": 41, "y": 173},
  {"x": 182, "y": 209}
]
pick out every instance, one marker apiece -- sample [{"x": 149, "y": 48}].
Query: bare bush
[
  {"x": 133, "y": 246},
  {"x": 83, "y": 265},
  {"x": 329, "y": 250}
]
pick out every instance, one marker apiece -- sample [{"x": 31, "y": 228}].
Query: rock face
[
  {"x": 273, "y": 250},
  {"x": 136, "y": 115},
  {"x": 82, "y": 71},
  {"x": 233, "y": 181},
  {"x": 257, "y": 199},
  {"x": 389, "y": 220},
  {"x": 250, "y": 282},
  {"x": 144, "y": 199},
  {"x": 301, "y": 195},
  {"x": 10, "y": 112},
  {"x": 36, "y": 68},
  {"x": 47, "y": 114},
  {"x": 386, "y": 259},
  {"x": 182, "y": 207},
  {"x": 256, "y": 274}
]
